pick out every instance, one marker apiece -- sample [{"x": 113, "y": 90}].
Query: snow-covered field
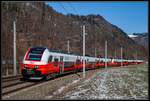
[{"x": 116, "y": 83}]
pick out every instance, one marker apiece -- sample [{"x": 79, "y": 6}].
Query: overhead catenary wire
[
  {"x": 73, "y": 8},
  {"x": 68, "y": 41},
  {"x": 64, "y": 8},
  {"x": 68, "y": 13}
]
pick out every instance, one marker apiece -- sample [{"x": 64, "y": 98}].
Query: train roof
[
  {"x": 72, "y": 54},
  {"x": 61, "y": 52},
  {"x": 38, "y": 47}
]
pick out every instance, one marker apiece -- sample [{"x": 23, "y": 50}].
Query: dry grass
[{"x": 130, "y": 82}]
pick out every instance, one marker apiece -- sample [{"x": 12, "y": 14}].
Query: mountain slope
[
  {"x": 38, "y": 24},
  {"x": 141, "y": 39}
]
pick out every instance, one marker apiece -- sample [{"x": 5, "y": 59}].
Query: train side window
[
  {"x": 101, "y": 61},
  {"x": 66, "y": 58},
  {"x": 78, "y": 61},
  {"x": 50, "y": 58},
  {"x": 61, "y": 58},
  {"x": 55, "y": 59},
  {"x": 87, "y": 60}
]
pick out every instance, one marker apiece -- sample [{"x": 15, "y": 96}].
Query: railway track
[
  {"x": 10, "y": 78},
  {"x": 13, "y": 84},
  {"x": 17, "y": 87}
]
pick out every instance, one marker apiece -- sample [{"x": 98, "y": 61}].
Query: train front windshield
[{"x": 35, "y": 54}]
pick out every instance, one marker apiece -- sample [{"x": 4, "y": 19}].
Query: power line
[
  {"x": 64, "y": 8},
  {"x": 72, "y": 7}
]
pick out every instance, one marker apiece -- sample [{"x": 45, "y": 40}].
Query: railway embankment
[{"x": 130, "y": 82}]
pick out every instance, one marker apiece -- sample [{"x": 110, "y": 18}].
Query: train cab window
[
  {"x": 35, "y": 53},
  {"x": 50, "y": 58}
]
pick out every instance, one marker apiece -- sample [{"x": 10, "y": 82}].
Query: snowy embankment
[{"x": 115, "y": 83}]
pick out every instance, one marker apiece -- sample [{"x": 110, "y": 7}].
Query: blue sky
[{"x": 131, "y": 17}]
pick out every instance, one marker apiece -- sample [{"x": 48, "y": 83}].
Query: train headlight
[
  {"x": 24, "y": 68},
  {"x": 36, "y": 67}
]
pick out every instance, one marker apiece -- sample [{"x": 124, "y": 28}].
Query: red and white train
[{"x": 42, "y": 63}]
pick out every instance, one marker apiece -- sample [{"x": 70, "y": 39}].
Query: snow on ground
[
  {"x": 123, "y": 83},
  {"x": 132, "y": 36}
]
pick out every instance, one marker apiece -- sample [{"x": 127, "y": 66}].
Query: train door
[
  {"x": 56, "y": 64},
  {"x": 50, "y": 59},
  {"x": 61, "y": 65},
  {"x": 56, "y": 61},
  {"x": 78, "y": 63},
  {"x": 49, "y": 63}
]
